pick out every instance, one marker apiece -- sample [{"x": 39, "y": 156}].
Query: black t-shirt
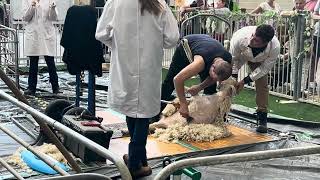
[
  {"x": 208, "y": 48},
  {"x": 256, "y": 51}
]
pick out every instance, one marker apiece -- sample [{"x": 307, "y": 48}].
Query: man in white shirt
[{"x": 259, "y": 48}]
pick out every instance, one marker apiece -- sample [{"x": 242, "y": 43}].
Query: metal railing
[
  {"x": 234, "y": 158},
  {"x": 290, "y": 77},
  {"x": 124, "y": 172},
  {"x": 9, "y": 52},
  {"x": 295, "y": 74}
]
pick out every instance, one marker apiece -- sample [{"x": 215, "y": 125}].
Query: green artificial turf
[{"x": 300, "y": 111}]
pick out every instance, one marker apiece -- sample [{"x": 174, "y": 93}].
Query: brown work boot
[
  {"x": 125, "y": 158},
  {"x": 141, "y": 172}
]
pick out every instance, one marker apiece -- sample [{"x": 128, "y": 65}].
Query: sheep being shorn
[{"x": 208, "y": 117}]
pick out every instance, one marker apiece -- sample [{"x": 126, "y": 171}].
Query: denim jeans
[
  {"x": 33, "y": 72},
  {"x": 138, "y": 130}
]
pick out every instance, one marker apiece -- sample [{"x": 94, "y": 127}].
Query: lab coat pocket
[{"x": 49, "y": 33}]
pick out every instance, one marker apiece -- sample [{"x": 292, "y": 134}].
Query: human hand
[
  {"x": 182, "y": 10},
  {"x": 183, "y": 110},
  {"x": 53, "y": 5},
  {"x": 239, "y": 86},
  {"x": 194, "y": 90}
]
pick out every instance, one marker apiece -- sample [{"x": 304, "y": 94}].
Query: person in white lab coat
[
  {"x": 136, "y": 31},
  {"x": 259, "y": 48},
  {"x": 40, "y": 39}
]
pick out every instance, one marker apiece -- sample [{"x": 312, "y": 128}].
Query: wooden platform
[{"x": 156, "y": 148}]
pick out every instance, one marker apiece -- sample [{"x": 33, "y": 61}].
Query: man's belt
[{"x": 187, "y": 50}]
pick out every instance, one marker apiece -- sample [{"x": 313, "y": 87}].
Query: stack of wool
[
  {"x": 208, "y": 118},
  {"x": 192, "y": 132},
  {"x": 48, "y": 149}
]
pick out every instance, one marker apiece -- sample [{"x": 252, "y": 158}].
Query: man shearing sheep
[{"x": 196, "y": 54}]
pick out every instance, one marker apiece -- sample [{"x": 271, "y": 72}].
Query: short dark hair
[
  {"x": 223, "y": 71},
  {"x": 265, "y": 32}
]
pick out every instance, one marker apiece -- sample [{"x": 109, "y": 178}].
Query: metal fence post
[{"x": 297, "y": 59}]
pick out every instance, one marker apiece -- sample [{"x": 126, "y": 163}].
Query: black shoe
[
  {"x": 141, "y": 172},
  {"x": 262, "y": 122},
  {"x": 56, "y": 91},
  {"x": 126, "y": 160},
  {"x": 29, "y": 92}
]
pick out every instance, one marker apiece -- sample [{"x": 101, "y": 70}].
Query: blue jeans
[
  {"x": 138, "y": 130},
  {"x": 33, "y": 72}
]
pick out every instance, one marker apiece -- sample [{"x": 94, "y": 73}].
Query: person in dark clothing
[
  {"x": 81, "y": 49},
  {"x": 207, "y": 57}
]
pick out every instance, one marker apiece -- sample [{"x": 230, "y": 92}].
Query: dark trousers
[
  {"x": 179, "y": 61},
  {"x": 138, "y": 130},
  {"x": 33, "y": 72}
]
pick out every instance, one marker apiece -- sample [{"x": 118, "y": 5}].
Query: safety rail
[
  {"x": 124, "y": 172},
  {"x": 234, "y": 158},
  {"x": 9, "y": 52},
  {"x": 34, "y": 151},
  {"x": 298, "y": 81},
  {"x": 295, "y": 75},
  {"x": 10, "y": 169},
  {"x": 197, "y": 25}
]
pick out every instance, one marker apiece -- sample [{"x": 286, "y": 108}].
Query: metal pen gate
[
  {"x": 196, "y": 25},
  {"x": 9, "y": 52},
  {"x": 207, "y": 23}
]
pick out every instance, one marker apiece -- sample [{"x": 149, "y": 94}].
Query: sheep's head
[{"x": 227, "y": 87}]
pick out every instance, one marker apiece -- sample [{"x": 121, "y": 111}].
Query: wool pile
[
  {"x": 208, "y": 113},
  {"x": 48, "y": 149},
  {"x": 192, "y": 132}
]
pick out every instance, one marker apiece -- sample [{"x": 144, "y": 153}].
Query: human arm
[
  {"x": 235, "y": 50},
  {"x": 186, "y": 9},
  {"x": 198, "y": 4},
  {"x": 316, "y": 8},
  {"x": 170, "y": 29},
  {"x": 267, "y": 64},
  {"x": 194, "y": 90},
  {"x": 104, "y": 31},
  {"x": 28, "y": 9},
  {"x": 52, "y": 14},
  {"x": 192, "y": 69},
  {"x": 257, "y": 10}
]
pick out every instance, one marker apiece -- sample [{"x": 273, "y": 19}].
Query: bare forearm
[
  {"x": 206, "y": 83},
  {"x": 179, "y": 86},
  {"x": 29, "y": 13}
]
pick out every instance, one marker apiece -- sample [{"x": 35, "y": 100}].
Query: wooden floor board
[{"x": 156, "y": 148}]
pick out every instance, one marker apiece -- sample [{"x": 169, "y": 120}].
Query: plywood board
[
  {"x": 239, "y": 137},
  {"x": 156, "y": 148}
]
